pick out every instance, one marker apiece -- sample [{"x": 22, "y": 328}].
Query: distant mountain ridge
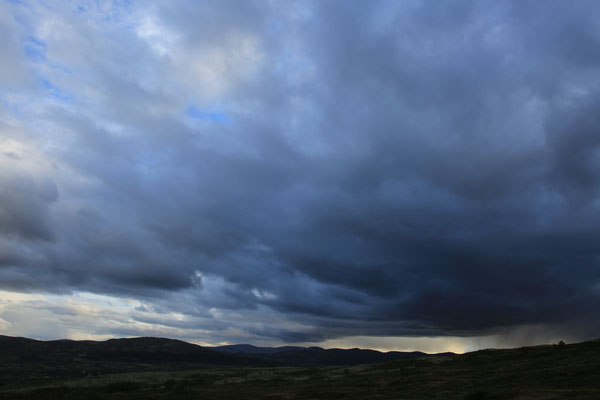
[
  {"x": 552, "y": 371},
  {"x": 64, "y": 358},
  {"x": 250, "y": 349},
  {"x": 317, "y": 356},
  {"x": 67, "y": 358}
]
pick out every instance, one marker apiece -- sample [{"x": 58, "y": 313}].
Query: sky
[{"x": 408, "y": 175}]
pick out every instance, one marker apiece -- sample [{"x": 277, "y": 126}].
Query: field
[{"x": 541, "y": 372}]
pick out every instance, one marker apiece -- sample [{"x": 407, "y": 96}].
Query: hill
[
  {"x": 250, "y": 349},
  {"x": 294, "y": 356},
  {"x": 23, "y": 358},
  {"x": 530, "y": 373}
]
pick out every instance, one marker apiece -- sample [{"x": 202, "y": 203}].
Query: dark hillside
[
  {"x": 316, "y": 356},
  {"x": 250, "y": 349},
  {"x": 530, "y": 373},
  {"x": 22, "y": 358}
]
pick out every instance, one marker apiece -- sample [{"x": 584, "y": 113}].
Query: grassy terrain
[{"x": 542, "y": 372}]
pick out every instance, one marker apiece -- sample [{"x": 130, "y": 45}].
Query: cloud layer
[{"x": 326, "y": 170}]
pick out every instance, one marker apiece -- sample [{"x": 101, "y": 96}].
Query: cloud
[
  {"x": 331, "y": 171},
  {"x": 11, "y": 75},
  {"x": 27, "y": 192}
]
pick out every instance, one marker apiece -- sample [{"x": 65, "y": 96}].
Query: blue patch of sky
[
  {"x": 35, "y": 49},
  {"x": 17, "y": 106},
  {"x": 274, "y": 26},
  {"x": 207, "y": 115},
  {"x": 97, "y": 12},
  {"x": 54, "y": 92},
  {"x": 8, "y": 105}
]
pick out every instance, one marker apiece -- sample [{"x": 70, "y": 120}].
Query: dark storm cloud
[
  {"x": 24, "y": 200},
  {"x": 397, "y": 169}
]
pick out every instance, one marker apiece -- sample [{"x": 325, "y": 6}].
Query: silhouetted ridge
[
  {"x": 317, "y": 356},
  {"x": 250, "y": 349},
  {"x": 64, "y": 358},
  {"x": 75, "y": 358}
]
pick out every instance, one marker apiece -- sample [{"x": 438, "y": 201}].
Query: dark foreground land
[{"x": 542, "y": 372}]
